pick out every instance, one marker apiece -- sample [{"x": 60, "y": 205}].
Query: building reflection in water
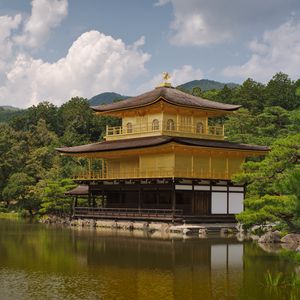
[{"x": 167, "y": 269}]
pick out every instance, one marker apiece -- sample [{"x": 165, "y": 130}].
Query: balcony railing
[
  {"x": 147, "y": 129},
  {"x": 125, "y": 213},
  {"x": 137, "y": 173}
]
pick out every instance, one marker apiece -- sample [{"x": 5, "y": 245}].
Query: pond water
[{"x": 40, "y": 262}]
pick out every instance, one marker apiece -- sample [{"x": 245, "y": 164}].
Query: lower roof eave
[{"x": 155, "y": 141}]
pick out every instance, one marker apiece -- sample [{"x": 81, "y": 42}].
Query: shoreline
[{"x": 146, "y": 226}]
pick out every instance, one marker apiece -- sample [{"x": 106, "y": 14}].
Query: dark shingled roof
[
  {"x": 156, "y": 141},
  {"x": 168, "y": 94},
  {"x": 79, "y": 190}
]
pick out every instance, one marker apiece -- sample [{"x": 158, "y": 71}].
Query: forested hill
[
  {"x": 105, "y": 98},
  {"x": 8, "y": 107},
  {"x": 8, "y": 112},
  {"x": 206, "y": 85},
  {"x": 203, "y": 84}
]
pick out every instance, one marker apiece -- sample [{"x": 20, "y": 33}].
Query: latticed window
[
  {"x": 199, "y": 127},
  {"x": 170, "y": 124},
  {"x": 155, "y": 124},
  {"x": 129, "y": 127}
]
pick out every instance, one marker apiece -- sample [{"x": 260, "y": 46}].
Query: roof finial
[{"x": 166, "y": 77}]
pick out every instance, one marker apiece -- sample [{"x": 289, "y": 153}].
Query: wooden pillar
[
  {"x": 173, "y": 200},
  {"x": 103, "y": 196},
  {"x": 157, "y": 197},
  {"x": 192, "y": 165},
  {"x": 227, "y": 168},
  {"x": 210, "y": 170},
  {"x": 193, "y": 198},
  {"x": 73, "y": 204},
  {"x": 227, "y": 200},
  {"x": 120, "y": 196},
  {"x": 94, "y": 200},
  {"x": 140, "y": 198},
  {"x": 89, "y": 199}
]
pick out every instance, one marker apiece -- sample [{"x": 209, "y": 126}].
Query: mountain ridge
[
  {"x": 105, "y": 98},
  {"x": 204, "y": 84}
]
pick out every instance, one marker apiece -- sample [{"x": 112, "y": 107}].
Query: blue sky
[{"x": 55, "y": 49}]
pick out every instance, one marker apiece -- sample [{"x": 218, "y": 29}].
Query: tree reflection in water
[{"x": 61, "y": 263}]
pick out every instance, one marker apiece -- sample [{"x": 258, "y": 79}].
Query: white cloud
[
  {"x": 95, "y": 63},
  {"x": 178, "y": 76},
  {"x": 195, "y": 30},
  {"x": 45, "y": 15},
  {"x": 7, "y": 25},
  {"x": 279, "y": 50},
  {"x": 207, "y": 22}
]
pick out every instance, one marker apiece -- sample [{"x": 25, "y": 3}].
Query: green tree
[
  {"x": 51, "y": 194},
  {"x": 30, "y": 117},
  {"x": 241, "y": 127},
  {"x": 13, "y": 151},
  {"x": 225, "y": 95},
  {"x": 280, "y": 91},
  {"x": 273, "y": 122},
  {"x": 266, "y": 199},
  {"x": 18, "y": 189},
  {"x": 251, "y": 95},
  {"x": 196, "y": 91}
]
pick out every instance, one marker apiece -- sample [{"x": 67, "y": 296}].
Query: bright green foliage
[
  {"x": 273, "y": 186},
  {"x": 263, "y": 128},
  {"x": 274, "y": 280},
  {"x": 263, "y": 177},
  {"x": 269, "y": 208},
  {"x": 51, "y": 195},
  {"x": 196, "y": 91}
]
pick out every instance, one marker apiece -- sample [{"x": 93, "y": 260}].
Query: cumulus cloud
[
  {"x": 195, "y": 30},
  {"x": 45, "y": 16},
  {"x": 178, "y": 76},
  {"x": 279, "y": 50},
  {"x": 206, "y": 22},
  {"x": 7, "y": 25},
  {"x": 94, "y": 63}
]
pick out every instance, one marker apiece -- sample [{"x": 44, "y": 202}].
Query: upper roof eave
[{"x": 168, "y": 94}]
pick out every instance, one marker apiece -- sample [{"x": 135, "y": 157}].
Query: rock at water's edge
[
  {"x": 270, "y": 237},
  {"x": 291, "y": 238}
]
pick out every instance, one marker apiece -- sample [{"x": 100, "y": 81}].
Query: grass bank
[
  {"x": 9, "y": 215},
  {"x": 290, "y": 255}
]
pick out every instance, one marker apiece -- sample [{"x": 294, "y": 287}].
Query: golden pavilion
[{"x": 164, "y": 162}]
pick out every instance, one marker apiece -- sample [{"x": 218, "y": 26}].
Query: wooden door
[{"x": 201, "y": 203}]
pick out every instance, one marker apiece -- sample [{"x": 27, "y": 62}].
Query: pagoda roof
[
  {"x": 168, "y": 94},
  {"x": 79, "y": 190},
  {"x": 157, "y": 141}
]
